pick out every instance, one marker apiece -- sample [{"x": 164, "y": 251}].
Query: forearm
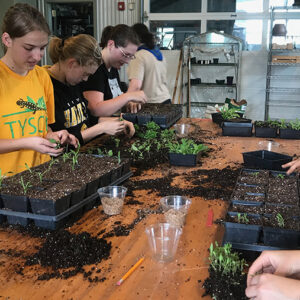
[
  {"x": 91, "y": 132},
  {"x": 108, "y": 107},
  {"x": 134, "y": 85},
  {"x": 10, "y": 145}
]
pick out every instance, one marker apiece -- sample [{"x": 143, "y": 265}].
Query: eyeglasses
[{"x": 127, "y": 56}]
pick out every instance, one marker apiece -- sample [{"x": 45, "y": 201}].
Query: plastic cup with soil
[
  {"x": 182, "y": 130},
  {"x": 112, "y": 199},
  {"x": 175, "y": 209},
  {"x": 163, "y": 241}
]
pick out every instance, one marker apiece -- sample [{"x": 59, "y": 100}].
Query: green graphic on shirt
[{"x": 31, "y": 105}]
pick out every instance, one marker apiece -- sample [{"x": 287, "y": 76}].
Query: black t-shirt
[
  {"x": 71, "y": 112},
  {"x": 104, "y": 81}
]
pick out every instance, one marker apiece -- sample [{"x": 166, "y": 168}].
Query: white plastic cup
[
  {"x": 112, "y": 199},
  {"x": 175, "y": 209},
  {"x": 163, "y": 241}
]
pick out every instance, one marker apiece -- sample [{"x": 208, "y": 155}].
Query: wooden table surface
[{"x": 178, "y": 279}]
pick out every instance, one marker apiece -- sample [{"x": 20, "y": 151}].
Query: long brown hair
[{"x": 83, "y": 47}]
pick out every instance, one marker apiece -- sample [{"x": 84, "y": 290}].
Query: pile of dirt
[{"x": 64, "y": 250}]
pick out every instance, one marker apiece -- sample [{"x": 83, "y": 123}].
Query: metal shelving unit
[
  {"x": 198, "y": 53},
  {"x": 282, "y": 81}
]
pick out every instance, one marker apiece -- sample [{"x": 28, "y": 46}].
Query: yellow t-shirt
[{"x": 26, "y": 109}]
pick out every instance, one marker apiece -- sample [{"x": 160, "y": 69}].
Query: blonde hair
[{"x": 83, "y": 47}]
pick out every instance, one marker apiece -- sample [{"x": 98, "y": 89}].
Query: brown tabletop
[{"x": 180, "y": 279}]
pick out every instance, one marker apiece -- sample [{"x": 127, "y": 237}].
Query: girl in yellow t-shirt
[{"x": 26, "y": 93}]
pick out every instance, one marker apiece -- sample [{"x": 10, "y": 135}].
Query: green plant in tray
[
  {"x": 280, "y": 220},
  {"x": 186, "y": 146},
  {"x": 25, "y": 185},
  {"x": 223, "y": 260},
  {"x": 281, "y": 176},
  {"x": 58, "y": 144},
  {"x": 228, "y": 113},
  {"x": 295, "y": 124},
  {"x": 242, "y": 218}
]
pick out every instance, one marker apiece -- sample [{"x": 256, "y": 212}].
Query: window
[
  {"x": 249, "y": 31},
  {"x": 175, "y": 6},
  {"x": 281, "y": 2},
  {"x": 171, "y": 34},
  {"x": 235, "y": 6},
  {"x": 248, "y": 20}
]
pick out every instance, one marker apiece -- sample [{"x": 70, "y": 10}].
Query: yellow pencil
[{"x": 130, "y": 271}]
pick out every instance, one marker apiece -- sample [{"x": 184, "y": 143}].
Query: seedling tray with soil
[
  {"x": 266, "y": 129},
  {"x": 279, "y": 211},
  {"x": 252, "y": 208},
  {"x": 256, "y": 177},
  {"x": 49, "y": 193},
  {"x": 165, "y": 115},
  {"x": 284, "y": 233},
  {"x": 243, "y": 228},
  {"x": 286, "y": 133}
]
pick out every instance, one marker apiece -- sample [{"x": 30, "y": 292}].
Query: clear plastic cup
[
  {"x": 163, "y": 241},
  {"x": 182, "y": 130},
  {"x": 268, "y": 145},
  {"x": 175, "y": 209},
  {"x": 112, "y": 199}
]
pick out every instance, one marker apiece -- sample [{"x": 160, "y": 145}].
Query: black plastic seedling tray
[
  {"x": 151, "y": 112},
  {"x": 188, "y": 160},
  {"x": 237, "y": 129},
  {"x": 265, "y": 132},
  {"x": 264, "y": 159},
  {"x": 55, "y": 221},
  {"x": 287, "y": 133}
]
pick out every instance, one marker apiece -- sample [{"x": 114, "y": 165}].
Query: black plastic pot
[
  {"x": 289, "y": 134},
  {"x": 188, "y": 160},
  {"x": 242, "y": 233},
  {"x": 19, "y": 204},
  {"x": 2, "y": 218},
  {"x": 78, "y": 196},
  {"x": 229, "y": 80},
  {"x": 264, "y": 159},
  {"x": 237, "y": 129},
  {"x": 217, "y": 118},
  {"x": 265, "y": 132},
  {"x": 50, "y": 207},
  {"x": 92, "y": 187},
  {"x": 283, "y": 238},
  {"x": 143, "y": 119},
  {"x": 130, "y": 117}
]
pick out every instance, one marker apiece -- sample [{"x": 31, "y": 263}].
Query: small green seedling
[
  {"x": 242, "y": 218},
  {"x": 254, "y": 174},
  {"x": 66, "y": 156},
  {"x": 281, "y": 176},
  {"x": 280, "y": 220},
  {"x": 1, "y": 178},
  {"x": 117, "y": 142},
  {"x": 58, "y": 144},
  {"x": 119, "y": 157},
  {"x": 28, "y": 168},
  {"x": 25, "y": 185}
]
